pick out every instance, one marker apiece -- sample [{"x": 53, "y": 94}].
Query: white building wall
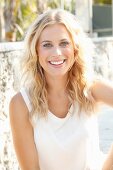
[{"x": 83, "y": 10}]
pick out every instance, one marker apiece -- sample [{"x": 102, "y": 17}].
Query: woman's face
[{"x": 55, "y": 50}]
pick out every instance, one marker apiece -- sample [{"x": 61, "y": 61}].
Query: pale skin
[{"x": 52, "y": 50}]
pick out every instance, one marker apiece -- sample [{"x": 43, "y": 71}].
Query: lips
[{"x": 57, "y": 62}]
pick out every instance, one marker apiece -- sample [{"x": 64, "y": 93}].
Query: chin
[{"x": 58, "y": 74}]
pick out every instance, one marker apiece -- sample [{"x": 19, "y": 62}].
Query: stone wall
[
  {"x": 103, "y": 58},
  {"x": 10, "y": 55}
]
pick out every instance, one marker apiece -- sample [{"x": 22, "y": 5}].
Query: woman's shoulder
[
  {"x": 22, "y": 131},
  {"x": 102, "y": 91},
  {"x": 95, "y": 88},
  {"x": 17, "y": 106}
]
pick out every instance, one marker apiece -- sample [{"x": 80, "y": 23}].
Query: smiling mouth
[{"x": 57, "y": 62}]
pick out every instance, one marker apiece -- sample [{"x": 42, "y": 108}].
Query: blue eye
[
  {"x": 47, "y": 45},
  {"x": 64, "y": 43}
]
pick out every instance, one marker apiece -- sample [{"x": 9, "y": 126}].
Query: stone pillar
[{"x": 83, "y": 10}]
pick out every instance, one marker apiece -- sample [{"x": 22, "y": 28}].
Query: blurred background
[{"x": 96, "y": 18}]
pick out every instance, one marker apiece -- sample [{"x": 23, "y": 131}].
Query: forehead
[{"x": 58, "y": 31}]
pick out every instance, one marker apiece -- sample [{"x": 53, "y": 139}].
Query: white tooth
[{"x": 56, "y": 62}]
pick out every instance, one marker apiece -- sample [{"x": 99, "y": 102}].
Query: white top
[{"x": 69, "y": 143}]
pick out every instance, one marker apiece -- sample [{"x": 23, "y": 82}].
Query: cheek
[
  {"x": 69, "y": 50},
  {"x": 41, "y": 60},
  {"x": 41, "y": 52},
  {"x": 42, "y": 55},
  {"x": 70, "y": 53}
]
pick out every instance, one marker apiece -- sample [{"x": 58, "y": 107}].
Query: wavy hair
[{"x": 34, "y": 77}]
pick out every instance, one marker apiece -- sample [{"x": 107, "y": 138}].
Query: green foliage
[
  {"x": 70, "y": 6},
  {"x": 26, "y": 14},
  {"x": 25, "y": 11},
  {"x": 53, "y": 4},
  {"x": 102, "y": 1}
]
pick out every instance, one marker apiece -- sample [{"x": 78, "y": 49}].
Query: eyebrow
[
  {"x": 46, "y": 41},
  {"x": 64, "y": 39}
]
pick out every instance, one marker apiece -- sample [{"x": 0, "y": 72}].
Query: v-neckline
[
  {"x": 53, "y": 116},
  {"x": 61, "y": 120}
]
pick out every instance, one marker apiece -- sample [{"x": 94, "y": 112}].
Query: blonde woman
[{"x": 53, "y": 120}]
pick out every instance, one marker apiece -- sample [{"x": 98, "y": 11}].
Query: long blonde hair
[{"x": 35, "y": 80}]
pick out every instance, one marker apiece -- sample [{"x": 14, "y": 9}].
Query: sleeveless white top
[{"x": 69, "y": 143}]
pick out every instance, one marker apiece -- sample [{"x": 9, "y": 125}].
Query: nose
[{"x": 57, "y": 51}]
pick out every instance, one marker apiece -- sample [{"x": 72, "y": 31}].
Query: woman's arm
[
  {"x": 22, "y": 133},
  {"x": 108, "y": 164},
  {"x": 103, "y": 92}
]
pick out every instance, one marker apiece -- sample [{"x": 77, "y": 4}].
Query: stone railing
[
  {"x": 10, "y": 54},
  {"x": 103, "y": 59}
]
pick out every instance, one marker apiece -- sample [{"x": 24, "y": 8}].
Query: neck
[{"x": 56, "y": 85}]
